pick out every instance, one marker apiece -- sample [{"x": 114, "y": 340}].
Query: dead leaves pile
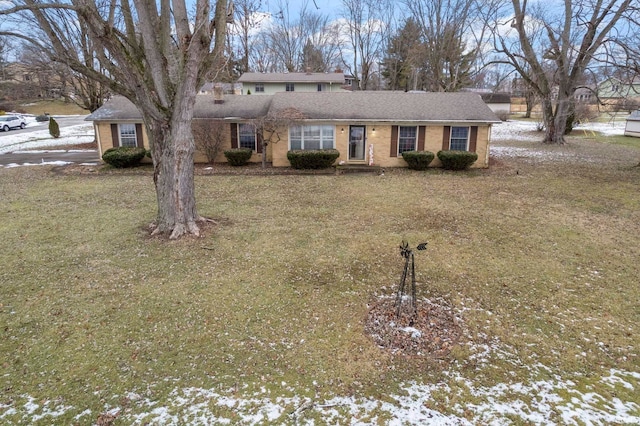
[{"x": 433, "y": 331}]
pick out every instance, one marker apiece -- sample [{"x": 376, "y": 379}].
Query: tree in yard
[
  {"x": 247, "y": 20},
  {"x": 273, "y": 127},
  {"x": 209, "y": 136},
  {"x": 38, "y": 54},
  {"x": 451, "y": 45},
  {"x": 403, "y": 58},
  {"x": 157, "y": 55},
  {"x": 551, "y": 48},
  {"x": 365, "y": 34}
]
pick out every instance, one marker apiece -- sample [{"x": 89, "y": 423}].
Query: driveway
[{"x": 53, "y": 156}]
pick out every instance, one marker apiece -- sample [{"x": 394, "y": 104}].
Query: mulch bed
[{"x": 433, "y": 331}]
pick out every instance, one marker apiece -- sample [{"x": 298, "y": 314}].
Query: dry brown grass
[{"x": 539, "y": 257}]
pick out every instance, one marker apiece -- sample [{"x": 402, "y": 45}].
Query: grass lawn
[
  {"x": 53, "y": 107},
  {"x": 539, "y": 259}
]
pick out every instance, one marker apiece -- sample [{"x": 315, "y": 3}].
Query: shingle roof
[
  {"x": 324, "y": 106},
  {"x": 234, "y": 106},
  {"x": 292, "y": 77},
  {"x": 496, "y": 98},
  {"x": 387, "y": 106}
]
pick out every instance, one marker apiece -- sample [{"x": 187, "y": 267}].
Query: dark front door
[{"x": 357, "y": 142}]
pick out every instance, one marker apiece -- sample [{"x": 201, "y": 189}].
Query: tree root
[{"x": 181, "y": 229}]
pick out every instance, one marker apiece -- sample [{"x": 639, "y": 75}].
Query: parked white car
[{"x": 12, "y": 121}]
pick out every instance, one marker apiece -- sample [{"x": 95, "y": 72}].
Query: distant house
[
  {"x": 256, "y": 83},
  {"x": 498, "y": 102},
  {"x": 365, "y": 127},
  {"x": 632, "y": 128},
  {"x": 619, "y": 94},
  {"x": 585, "y": 95}
]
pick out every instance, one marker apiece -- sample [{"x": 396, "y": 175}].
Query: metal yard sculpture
[{"x": 407, "y": 254}]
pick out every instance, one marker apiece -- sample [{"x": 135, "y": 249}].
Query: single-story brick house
[{"x": 365, "y": 127}]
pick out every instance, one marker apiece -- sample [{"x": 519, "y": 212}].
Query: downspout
[{"x": 486, "y": 160}]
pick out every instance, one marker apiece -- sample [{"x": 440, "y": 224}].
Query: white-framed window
[
  {"x": 289, "y": 87},
  {"x": 259, "y": 88},
  {"x": 128, "y": 135},
  {"x": 247, "y": 136},
  {"x": 321, "y": 87},
  {"x": 407, "y": 139},
  {"x": 311, "y": 137},
  {"x": 459, "y": 139}
]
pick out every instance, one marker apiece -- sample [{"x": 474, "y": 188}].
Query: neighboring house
[
  {"x": 585, "y": 95},
  {"x": 365, "y": 127},
  {"x": 228, "y": 88},
  {"x": 632, "y": 128},
  {"x": 617, "y": 92},
  {"x": 498, "y": 102},
  {"x": 256, "y": 83}
]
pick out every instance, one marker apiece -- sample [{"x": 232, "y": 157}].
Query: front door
[{"x": 357, "y": 142}]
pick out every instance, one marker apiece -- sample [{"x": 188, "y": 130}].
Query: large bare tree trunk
[{"x": 173, "y": 150}]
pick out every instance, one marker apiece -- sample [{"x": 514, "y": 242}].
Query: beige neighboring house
[
  {"x": 367, "y": 128},
  {"x": 498, "y": 102},
  {"x": 256, "y": 83}
]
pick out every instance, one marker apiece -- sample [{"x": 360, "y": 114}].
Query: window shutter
[
  {"x": 422, "y": 130},
  {"x": 115, "y": 135},
  {"x": 234, "y": 135},
  {"x": 473, "y": 138},
  {"x": 394, "y": 141},
  {"x": 446, "y": 136},
  {"x": 139, "y": 140},
  {"x": 258, "y": 142}
]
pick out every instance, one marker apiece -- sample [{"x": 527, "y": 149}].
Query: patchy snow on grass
[
  {"x": 72, "y": 135},
  {"x": 43, "y": 163},
  {"x": 524, "y": 135},
  {"x": 515, "y": 130},
  {"x": 611, "y": 128},
  {"x": 541, "y": 402}
]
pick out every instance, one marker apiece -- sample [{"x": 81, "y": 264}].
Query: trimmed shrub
[
  {"x": 124, "y": 156},
  {"x": 42, "y": 118},
  {"x": 457, "y": 160},
  {"x": 238, "y": 156},
  {"x": 503, "y": 115},
  {"x": 312, "y": 158},
  {"x": 54, "y": 129},
  {"x": 418, "y": 160}
]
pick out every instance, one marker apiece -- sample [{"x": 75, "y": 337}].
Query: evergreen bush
[
  {"x": 418, "y": 160},
  {"x": 54, "y": 129},
  {"x": 312, "y": 158},
  {"x": 457, "y": 160},
  {"x": 238, "y": 156},
  {"x": 124, "y": 156}
]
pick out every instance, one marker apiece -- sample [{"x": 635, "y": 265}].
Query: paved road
[
  {"x": 64, "y": 121},
  {"x": 26, "y": 157}
]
